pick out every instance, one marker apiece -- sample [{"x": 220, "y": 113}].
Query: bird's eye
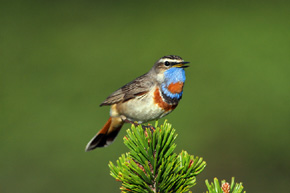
[{"x": 166, "y": 63}]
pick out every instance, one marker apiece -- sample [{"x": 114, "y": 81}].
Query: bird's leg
[
  {"x": 131, "y": 122},
  {"x": 149, "y": 126}
]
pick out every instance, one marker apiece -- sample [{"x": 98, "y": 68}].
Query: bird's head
[{"x": 170, "y": 68}]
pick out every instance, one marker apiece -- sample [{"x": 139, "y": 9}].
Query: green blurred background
[{"x": 60, "y": 60}]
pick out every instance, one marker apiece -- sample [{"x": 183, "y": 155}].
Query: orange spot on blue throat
[
  {"x": 175, "y": 87},
  {"x": 173, "y": 83},
  {"x": 169, "y": 94}
]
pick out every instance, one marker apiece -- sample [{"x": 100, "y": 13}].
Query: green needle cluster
[
  {"x": 225, "y": 187},
  {"x": 151, "y": 164}
]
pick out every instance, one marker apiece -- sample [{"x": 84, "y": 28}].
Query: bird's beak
[{"x": 180, "y": 65}]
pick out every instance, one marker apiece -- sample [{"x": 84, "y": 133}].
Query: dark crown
[{"x": 172, "y": 57}]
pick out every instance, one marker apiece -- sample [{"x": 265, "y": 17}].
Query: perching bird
[{"x": 148, "y": 97}]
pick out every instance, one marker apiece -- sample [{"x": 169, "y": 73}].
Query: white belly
[{"x": 141, "y": 109}]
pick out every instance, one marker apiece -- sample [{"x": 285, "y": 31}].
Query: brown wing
[{"x": 137, "y": 87}]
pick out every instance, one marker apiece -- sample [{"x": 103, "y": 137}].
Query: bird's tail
[{"x": 107, "y": 134}]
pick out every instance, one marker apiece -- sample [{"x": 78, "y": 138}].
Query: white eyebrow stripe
[{"x": 169, "y": 60}]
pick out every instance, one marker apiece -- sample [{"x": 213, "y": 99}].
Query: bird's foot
[
  {"x": 131, "y": 122},
  {"x": 149, "y": 126}
]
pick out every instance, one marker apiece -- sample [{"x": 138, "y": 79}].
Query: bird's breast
[{"x": 147, "y": 107}]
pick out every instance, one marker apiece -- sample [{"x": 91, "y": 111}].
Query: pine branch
[
  {"x": 225, "y": 186},
  {"x": 152, "y": 166}
]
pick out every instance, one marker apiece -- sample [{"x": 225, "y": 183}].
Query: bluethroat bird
[{"x": 148, "y": 97}]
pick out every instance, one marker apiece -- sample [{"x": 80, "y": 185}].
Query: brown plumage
[{"x": 135, "y": 88}]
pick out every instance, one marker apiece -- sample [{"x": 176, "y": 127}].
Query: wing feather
[{"x": 137, "y": 87}]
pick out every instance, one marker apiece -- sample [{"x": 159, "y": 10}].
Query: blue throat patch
[{"x": 173, "y": 75}]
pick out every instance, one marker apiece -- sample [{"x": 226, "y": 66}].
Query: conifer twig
[
  {"x": 151, "y": 164},
  {"x": 225, "y": 187}
]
